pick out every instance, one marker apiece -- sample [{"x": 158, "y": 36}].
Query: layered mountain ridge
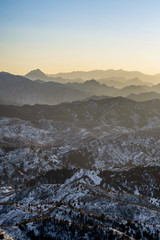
[{"x": 18, "y": 90}]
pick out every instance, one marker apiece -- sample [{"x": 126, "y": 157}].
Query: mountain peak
[
  {"x": 37, "y": 70},
  {"x": 92, "y": 82},
  {"x": 36, "y": 74}
]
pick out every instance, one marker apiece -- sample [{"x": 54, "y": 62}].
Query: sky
[{"x": 74, "y": 35}]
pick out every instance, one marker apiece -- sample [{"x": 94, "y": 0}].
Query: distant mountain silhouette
[
  {"x": 102, "y": 89},
  {"x": 144, "y": 96},
  {"x": 114, "y": 78},
  {"x": 133, "y": 89},
  {"x": 19, "y": 90},
  {"x": 101, "y": 74},
  {"x": 121, "y": 82},
  {"x": 36, "y": 74}
]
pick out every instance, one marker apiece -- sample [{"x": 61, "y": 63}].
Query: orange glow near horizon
[{"x": 72, "y": 35}]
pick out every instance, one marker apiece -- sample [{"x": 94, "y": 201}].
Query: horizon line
[{"x": 76, "y": 71}]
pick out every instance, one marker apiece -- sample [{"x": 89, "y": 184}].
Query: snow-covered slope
[{"x": 89, "y": 168}]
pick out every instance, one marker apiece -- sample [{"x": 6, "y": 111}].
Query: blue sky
[{"x": 66, "y": 35}]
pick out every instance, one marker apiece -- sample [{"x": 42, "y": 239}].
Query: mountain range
[
  {"x": 19, "y": 90},
  {"x": 37, "y": 74},
  {"x": 101, "y": 74},
  {"x": 115, "y": 78}
]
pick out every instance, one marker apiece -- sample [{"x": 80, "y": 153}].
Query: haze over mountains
[
  {"x": 102, "y": 74},
  {"x": 42, "y": 89},
  {"x": 20, "y": 90},
  {"x": 39, "y": 75}
]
